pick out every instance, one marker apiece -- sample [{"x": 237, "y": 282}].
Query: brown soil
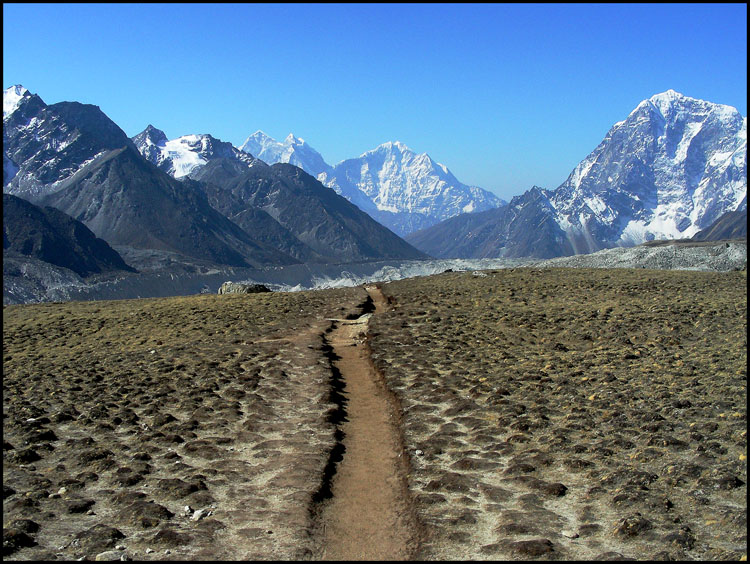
[
  {"x": 571, "y": 414},
  {"x": 181, "y": 428},
  {"x": 539, "y": 414},
  {"x": 370, "y": 515}
]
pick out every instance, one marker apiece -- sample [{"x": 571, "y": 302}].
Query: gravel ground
[
  {"x": 573, "y": 414},
  {"x": 178, "y": 428},
  {"x": 546, "y": 414},
  {"x": 681, "y": 255}
]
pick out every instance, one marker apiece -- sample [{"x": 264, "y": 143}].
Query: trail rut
[{"x": 370, "y": 515}]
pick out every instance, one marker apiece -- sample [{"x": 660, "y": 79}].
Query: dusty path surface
[{"x": 369, "y": 516}]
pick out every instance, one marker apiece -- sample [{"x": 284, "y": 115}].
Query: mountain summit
[
  {"x": 670, "y": 169},
  {"x": 401, "y": 189},
  {"x": 12, "y": 97},
  {"x": 293, "y": 150},
  {"x": 181, "y": 156}
]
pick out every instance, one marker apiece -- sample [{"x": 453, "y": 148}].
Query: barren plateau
[{"x": 551, "y": 414}]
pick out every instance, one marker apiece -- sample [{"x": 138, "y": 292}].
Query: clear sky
[{"x": 505, "y": 95}]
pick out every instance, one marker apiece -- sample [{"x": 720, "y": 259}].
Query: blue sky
[{"x": 505, "y": 95}]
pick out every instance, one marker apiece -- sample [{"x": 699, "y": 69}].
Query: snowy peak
[
  {"x": 293, "y": 141},
  {"x": 668, "y": 170},
  {"x": 673, "y": 106},
  {"x": 49, "y": 144},
  {"x": 255, "y": 141},
  {"x": 401, "y": 189},
  {"x": 181, "y": 156},
  {"x": 404, "y": 190},
  {"x": 665, "y": 101},
  {"x": 12, "y": 98},
  {"x": 150, "y": 143},
  {"x": 390, "y": 147},
  {"x": 150, "y": 136},
  {"x": 293, "y": 150}
]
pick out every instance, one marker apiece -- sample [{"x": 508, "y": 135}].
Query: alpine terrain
[
  {"x": 72, "y": 157},
  {"x": 279, "y": 205},
  {"x": 138, "y": 194},
  {"x": 670, "y": 169},
  {"x": 402, "y": 190}
]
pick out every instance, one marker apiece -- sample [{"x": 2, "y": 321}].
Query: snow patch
[
  {"x": 184, "y": 158},
  {"x": 12, "y": 99}
]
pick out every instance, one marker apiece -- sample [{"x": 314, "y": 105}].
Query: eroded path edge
[{"x": 368, "y": 513}]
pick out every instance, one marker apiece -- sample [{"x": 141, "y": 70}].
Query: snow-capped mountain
[
  {"x": 150, "y": 193},
  {"x": 292, "y": 150},
  {"x": 408, "y": 191},
  {"x": 671, "y": 168},
  {"x": 72, "y": 157},
  {"x": 401, "y": 189},
  {"x": 179, "y": 157},
  {"x": 46, "y": 145}
]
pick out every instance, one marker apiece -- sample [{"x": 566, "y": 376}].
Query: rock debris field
[{"x": 543, "y": 414}]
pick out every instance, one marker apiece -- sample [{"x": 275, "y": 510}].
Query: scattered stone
[
  {"x": 451, "y": 482},
  {"x": 24, "y": 456},
  {"x": 170, "y": 537},
  {"x": 79, "y": 505},
  {"x": 15, "y": 539},
  {"x": 201, "y": 514},
  {"x": 534, "y": 547},
  {"x": 109, "y": 555},
  {"x": 174, "y": 488},
  {"x": 144, "y": 514},
  {"x": 684, "y": 538},
  {"x": 25, "y": 525}
]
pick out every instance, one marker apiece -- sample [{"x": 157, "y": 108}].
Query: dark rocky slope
[{"x": 50, "y": 235}]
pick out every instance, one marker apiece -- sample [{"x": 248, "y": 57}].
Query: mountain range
[
  {"x": 673, "y": 167},
  {"x": 401, "y": 189},
  {"x": 71, "y": 156}
]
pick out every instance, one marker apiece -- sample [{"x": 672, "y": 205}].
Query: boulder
[{"x": 237, "y": 288}]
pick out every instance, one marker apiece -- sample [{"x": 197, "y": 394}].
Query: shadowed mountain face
[
  {"x": 73, "y": 157},
  {"x": 50, "y": 143},
  {"x": 128, "y": 201},
  {"x": 731, "y": 225},
  {"x": 54, "y": 237},
  {"x": 524, "y": 228},
  {"x": 322, "y": 224}
]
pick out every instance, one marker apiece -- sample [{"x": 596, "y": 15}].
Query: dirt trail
[{"x": 369, "y": 516}]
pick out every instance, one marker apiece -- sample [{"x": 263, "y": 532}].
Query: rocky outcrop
[{"x": 237, "y": 288}]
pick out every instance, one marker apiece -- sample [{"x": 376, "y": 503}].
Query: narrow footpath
[{"x": 369, "y": 516}]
